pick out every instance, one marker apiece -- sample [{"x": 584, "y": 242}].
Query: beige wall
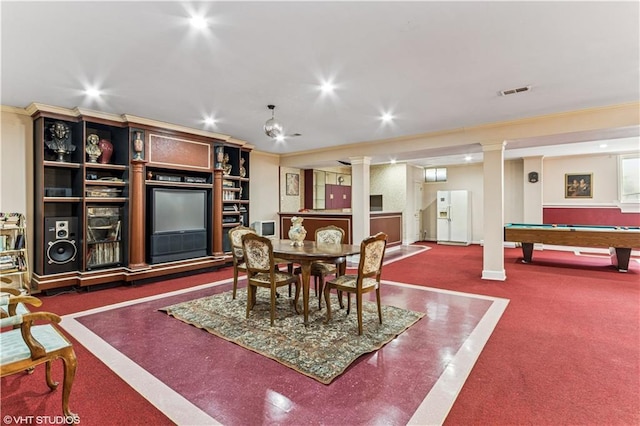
[
  {"x": 291, "y": 203},
  {"x": 604, "y": 181},
  {"x": 390, "y": 180},
  {"x": 263, "y": 188},
  {"x": 16, "y": 164}
]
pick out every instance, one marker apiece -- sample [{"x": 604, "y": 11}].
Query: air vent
[{"x": 514, "y": 91}]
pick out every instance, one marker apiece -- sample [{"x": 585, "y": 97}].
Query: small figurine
[
  {"x": 243, "y": 171},
  {"x": 61, "y": 140},
  {"x": 92, "y": 148},
  {"x": 226, "y": 167}
]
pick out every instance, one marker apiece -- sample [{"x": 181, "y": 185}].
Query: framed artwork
[
  {"x": 293, "y": 184},
  {"x": 578, "y": 185}
]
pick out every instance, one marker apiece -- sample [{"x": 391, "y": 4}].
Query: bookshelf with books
[{"x": 14, "y": 259}]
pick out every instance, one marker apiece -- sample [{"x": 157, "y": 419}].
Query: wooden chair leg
[
  {"x": 327, "y": 299},
  {"x": 273, "y": 305},
  {"x": 70, "y": 364},
  {"x": 47, "y": 372},
  {"x": 235, "y": 282},
  {"x": 249, "y": 295},
  {"x": 348, "y": 303},
  {"x": 290, "y": 271},
  {"x": 379, "y": 305},
  {"x": 295, "y": 302},
  {"x": 320, "y": 289},
  {"x": 359, "y": 309}
]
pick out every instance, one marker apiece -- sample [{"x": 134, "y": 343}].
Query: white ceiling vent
[{"x": 514, "y": 91}]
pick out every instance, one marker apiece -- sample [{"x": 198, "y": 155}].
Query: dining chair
[
  {"x": 330, "y": 234},
  {"x": 235, "y": 237},
  {"x": 366, "y": 280},
  {"x": 262, "y": 272},
  {"x": 27, "y": 345}
]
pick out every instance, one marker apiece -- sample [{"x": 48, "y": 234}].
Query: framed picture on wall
[
  {"x": 293, "y": 184},
  {"x": 578, "y": 185}
]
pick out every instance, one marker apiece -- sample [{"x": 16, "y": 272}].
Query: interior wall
[
  {"x": 16, "y": 163},
  {"x": 291, "y": 203},
  {"x": 604, "y": 182},
  {"x": 389, "y": 180},
  {"x": 264, "y": 204}
]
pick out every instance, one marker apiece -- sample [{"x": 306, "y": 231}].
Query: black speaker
[{"x": 60, "y": 249}]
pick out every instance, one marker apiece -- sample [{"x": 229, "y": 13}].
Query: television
[
  {"x": 375, "y": 203},
  {"x": 265, "y": 228},
  {"x": 178, "y": 224}
]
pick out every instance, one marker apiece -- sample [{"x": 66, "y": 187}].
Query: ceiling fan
[{"x": 274, "y": 129}]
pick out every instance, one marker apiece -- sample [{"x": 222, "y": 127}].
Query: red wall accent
[{"x": 589, "y": 216}]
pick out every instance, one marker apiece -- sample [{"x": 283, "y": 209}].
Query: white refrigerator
[{"x": 454, "y": 217}]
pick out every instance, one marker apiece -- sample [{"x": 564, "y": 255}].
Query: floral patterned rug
[{"x": 321, "y": 351}]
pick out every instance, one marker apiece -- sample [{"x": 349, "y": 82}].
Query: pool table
[{"x": 619, "y": 239}]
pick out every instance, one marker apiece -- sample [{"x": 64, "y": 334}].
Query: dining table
[{"x": 309, "y": 253}]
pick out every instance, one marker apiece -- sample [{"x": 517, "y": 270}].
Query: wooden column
[
  {"x": 217, "y": 213},
  {"x": 137, "y": 222}
]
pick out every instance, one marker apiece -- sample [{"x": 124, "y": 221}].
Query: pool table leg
[
  {"x": 527, "y": 252},
  {"x": 620, "y": 258}
]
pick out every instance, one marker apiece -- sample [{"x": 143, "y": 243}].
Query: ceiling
[{"x": 432, "y": 65}]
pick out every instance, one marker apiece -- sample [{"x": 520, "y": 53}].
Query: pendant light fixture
[{"x": 272, "y": 127}]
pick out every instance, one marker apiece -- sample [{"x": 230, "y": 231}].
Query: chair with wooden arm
[
  {"x": 15, "y": 308},
  {"x": 27, "y": 345},
  {"x": 366, "y": 280}
]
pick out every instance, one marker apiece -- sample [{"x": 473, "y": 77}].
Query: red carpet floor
[{"x": 565, "y": 352}]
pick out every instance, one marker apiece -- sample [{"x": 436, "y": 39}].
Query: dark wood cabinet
[
  {"x": 94, "y": 216},
  {"x": 337, "y": 196}
]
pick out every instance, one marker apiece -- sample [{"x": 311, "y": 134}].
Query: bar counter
[{"x": 387, "y": 222}]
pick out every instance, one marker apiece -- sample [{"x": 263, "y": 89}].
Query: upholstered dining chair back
[
  {"x": 329, "y": 235},
  {"x": 366, "y": 280},
  {"x": 371, "y": 255},
  {"x": 235, "y": 237},
  {"x": 258, "y": 255}
]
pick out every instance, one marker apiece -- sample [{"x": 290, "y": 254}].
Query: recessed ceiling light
[
  {"x": 199, "y": 22},
  {"x": 603, "y": 145},
  {"x": 393, "y": 161},
  {"x": 327, "y": 87},
  {"x": 468, "y": 158},
  {"x": 279, "y": 138},
  {"x": 386, "y": 117},
  {"x": 210, "y": 121},
  {"x": 93, "y": 92}
]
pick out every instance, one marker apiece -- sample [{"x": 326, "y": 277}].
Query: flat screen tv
[
  {"x": 179, "y": 224},
  {"x": 265, "y": 228}
]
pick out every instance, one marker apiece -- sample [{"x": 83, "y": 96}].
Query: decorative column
[
  {"x": 493, "y": 209},
  {"x": 360, "y": 190},
  {"x": 137, "y": 223},
  {"x": 217, "y": 212}
]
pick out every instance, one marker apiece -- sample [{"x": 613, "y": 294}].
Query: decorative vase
[
  {"x": 138, "y": 146},
  {"x": 107, "y": 150},
  {"x": 297, "y": 232}
]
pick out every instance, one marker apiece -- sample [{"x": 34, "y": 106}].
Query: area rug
[{"x": 320, "y": 351}]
